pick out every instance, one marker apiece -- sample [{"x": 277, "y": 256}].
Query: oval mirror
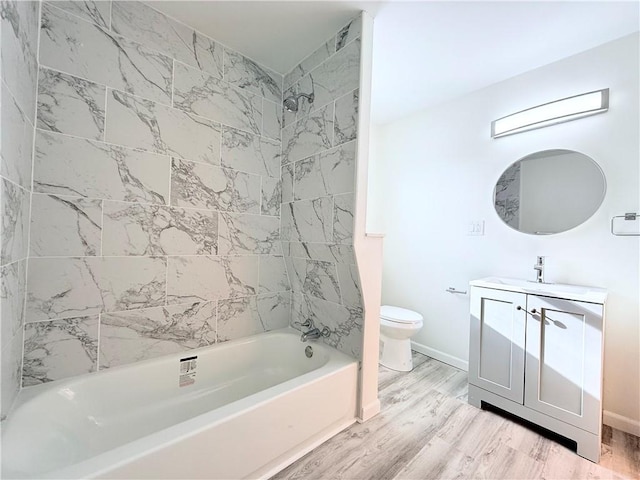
[{"x": 549, "y": 192}]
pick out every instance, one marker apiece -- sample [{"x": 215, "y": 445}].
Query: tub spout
[{"x": 314, "y": 334}]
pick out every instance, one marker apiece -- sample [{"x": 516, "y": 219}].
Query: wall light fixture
[{"x": 558, "y": 111}]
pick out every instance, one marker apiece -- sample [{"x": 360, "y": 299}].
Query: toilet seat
[{"x": 399, "y": 315}]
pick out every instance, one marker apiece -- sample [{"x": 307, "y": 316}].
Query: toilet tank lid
[{"x": 398, "y": 314}]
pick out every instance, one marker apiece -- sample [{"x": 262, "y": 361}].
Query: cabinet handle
[{"x": 532, "y": 312}]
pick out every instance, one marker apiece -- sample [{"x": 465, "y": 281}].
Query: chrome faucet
[
  {"x": 539, "y": 268},
  {"x": 313, "y": 333}
]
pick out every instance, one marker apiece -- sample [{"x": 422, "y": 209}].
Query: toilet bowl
[{"x": 397, "y": 325}]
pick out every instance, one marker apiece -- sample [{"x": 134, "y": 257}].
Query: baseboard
[
  {"x": 619, "y": 422},
  {"x": 441, "y": 356},
  {"x": 369, "y": 411}
]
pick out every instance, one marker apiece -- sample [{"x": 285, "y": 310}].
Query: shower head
[{"x": 291, "y": 102}]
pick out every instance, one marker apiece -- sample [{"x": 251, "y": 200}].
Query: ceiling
[{"x": 425, "y": 52}]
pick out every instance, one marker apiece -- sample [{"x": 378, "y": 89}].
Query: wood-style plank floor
[{"x": 426, "y": 430}]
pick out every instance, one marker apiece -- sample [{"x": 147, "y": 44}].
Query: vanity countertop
[{"x": 558, "y": 290}]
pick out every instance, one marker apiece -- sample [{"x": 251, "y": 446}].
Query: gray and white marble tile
[
  {"x": 241, "y": 234},
  {"x": 129, "y": 283},
  {"x": 238, "y": 318},
  {"x": 203, "y": 94},
  {"x": 343, "y": 207},
  {"x": 247, "y": 316},
  {"x": 273, "y": 274},
  {"x": 19, "y": 40},
  {"x": 69, "y": 287},
  {"x": 507, "y": 196},
  {"x": 308, "y": 136},
  {"x": 350, "y": 290},
  {"x": 271, "y": 119},
  {"x": 98, "y": 11},
  {"x": 319, "y": 279},
  {"x": 14, "y": 229},
  {"x": 13, "y": 285},
  {"x": 128, "y": 337},
  {"x": 274, "y": 310},
  {"x": 146, "y": 125},
  {"x": 271, "y": 196},
  {"x": 325, "y": 252},
  {"x": 334, "y": 78},
  {"x": 66, "y": 165},
  {"x": 155, "y": 30},
  {"x": 205, "y": 186},
  {"x": 310, "y": 62},
  {"x": 132, "y": 229},
  {"x": 248, "y": 75},
  {"x": 11, "y": 371},
  {"x": 16, "y": 137},
  {"x": 201, "y": 278},
  {"x": 250, "y": 153},
  {"x": 345, "y": 125},
  {"x": 59, "y": 349},
  {"x": 307, "y": 220},
  {"x": 344, "y": 323},
  {"x": 287, "y": 182},
  {"x": 65, "y": 226},
  {"x": 349, "y": 33},
  {"x": 86, "y": 50},
  {"x": 63, "y": 288},
  {"x": 328, "y": 173},
  {"x": 70, "y": 105}
]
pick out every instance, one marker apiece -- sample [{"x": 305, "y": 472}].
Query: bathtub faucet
[{"x": 314, "y": 334}]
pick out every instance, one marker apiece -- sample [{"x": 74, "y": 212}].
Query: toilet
[{"x": 397, "y": 325}]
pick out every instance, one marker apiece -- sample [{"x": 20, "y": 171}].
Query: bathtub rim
[{"x": 30, "y": 392}]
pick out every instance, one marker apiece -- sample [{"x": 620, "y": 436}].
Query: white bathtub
[{"x": 256, "y": 405}]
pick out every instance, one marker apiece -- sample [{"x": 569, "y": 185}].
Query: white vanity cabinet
[{"x": 536, "y": 351}]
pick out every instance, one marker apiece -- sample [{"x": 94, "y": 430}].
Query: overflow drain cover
[{"x": 308, "y": 351}]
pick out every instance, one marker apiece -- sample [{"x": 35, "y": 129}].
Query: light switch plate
[{"x": 476, "y": 227}]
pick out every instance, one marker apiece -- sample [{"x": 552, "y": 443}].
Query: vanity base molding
[{"x": 588, "y": 443}]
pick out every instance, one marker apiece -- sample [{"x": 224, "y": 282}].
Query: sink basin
[{"x": 558, "y": 290}]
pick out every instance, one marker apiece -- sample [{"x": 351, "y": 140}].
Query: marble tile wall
[
  {"x": 19, "y": 70},
  {"x": 155, "y": 222},
  {"x": 507, "y": 196},
  {"x": 318, "y": 165}
]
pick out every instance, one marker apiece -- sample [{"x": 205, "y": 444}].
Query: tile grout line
[
  {"x": 99, "y": 341},
  {"x": 104, "y": 128},
  {"x": 173, "y": 82},
  {"x": 101, "y": 230},
  {"x": 33, "y": 156}
]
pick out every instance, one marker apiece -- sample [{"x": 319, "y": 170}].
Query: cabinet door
[
  {"x": 496, "y": 348},
  {"x": 564, "y": 360}
]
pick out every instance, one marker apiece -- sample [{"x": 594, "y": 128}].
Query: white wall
[{"x": 434, "y": 172}]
